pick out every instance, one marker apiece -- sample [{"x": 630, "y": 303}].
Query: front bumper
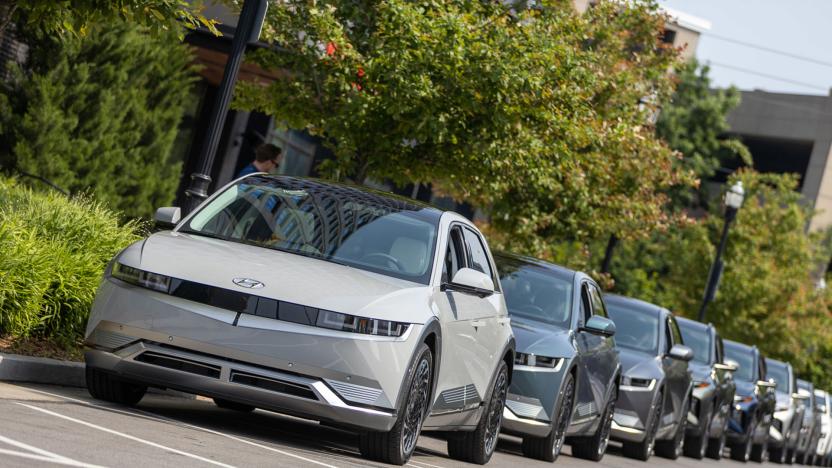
[
  {"x": 355, "y": 380},
  {"x": 534, "y": 394},
  {"x": 632, "y": 411}
]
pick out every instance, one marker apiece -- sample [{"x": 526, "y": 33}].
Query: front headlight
[
  {"x": 247, "y": 303},
  {"x": 533, "y": 360},
  {"x": 145, "y": 279},
  {"x": 637, "y": 382}
]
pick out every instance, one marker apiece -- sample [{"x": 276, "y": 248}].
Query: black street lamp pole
[
  {"x": 733, "y": 201},
  {"x": 248, "y": 29}
]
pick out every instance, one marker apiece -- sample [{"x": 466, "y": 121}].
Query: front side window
[
  {"x": 598, "y": 307},
  {"x": 699, "y": 341},
  {"x": 478, "y": 259},
  {"x": 454, "y": 255},
  {"x": 744, "y": 357},
  {"x": 779, "y": 373},
  {"x": 334, "y": 223},
  {"x": 635, "y": 329},
  {"x": 536, "y": 293}
]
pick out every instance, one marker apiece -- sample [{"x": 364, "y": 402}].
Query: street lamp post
[
  {"x": 248, "y": 30},
  {"x": 733, "y": 201}
]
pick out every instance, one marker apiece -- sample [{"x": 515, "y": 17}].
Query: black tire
[
  {"x": 595, "y": 446},
  {"x": 672, "y": 449},
  {"x": 758, "y": 452},
  {"x": 715, "y": 447},
  {"x": 777, "y": 455},
  {"x": 790, "y": 456},
  {"x": 548, "y": 448},
  {"x": 478, "y": 445},
  {"x": 696, "y": 446},
  {"x": 233, "y": 405},
  {"x": 104, "y": 386},
  {"x": 397, "y": 445},
  {"x": 644, "y": 450},
  {"x": 741, "y": 451}
]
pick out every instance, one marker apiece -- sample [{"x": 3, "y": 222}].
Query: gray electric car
[
  {"x": 713, "y": 390},
  {"x": 788, "y": 412},
  {"x": 654, "y": 397},
  {"x": 321, "y": 300},
  {"x": 566, "y": 367},
  {"x": 753, "y": 411},
  {"x": 823, "y": 454},
  {"x": 810, "y": 430}
]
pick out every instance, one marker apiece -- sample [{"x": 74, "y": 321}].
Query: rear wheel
[
  {"x": 233, "y": 405},
  {"x": 644, "y": 450},
  {"x": 548, "y": 448},
  {"x": 478, "y": 445},
  {"x": 595, "y": 446},
  {"x": 104, "y": 386},
  {"x": 397, "y": 446}
]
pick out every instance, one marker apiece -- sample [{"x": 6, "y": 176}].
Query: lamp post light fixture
[{"x": 733, "y": 201}]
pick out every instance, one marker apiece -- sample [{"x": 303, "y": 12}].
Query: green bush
[{"x": 53, "y": 251}]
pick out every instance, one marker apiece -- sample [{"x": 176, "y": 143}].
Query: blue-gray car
[
  {"x": 566, "y": 371},
  {"x": 652, "y": 407}
]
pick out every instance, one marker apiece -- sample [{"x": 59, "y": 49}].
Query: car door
[
  {"x": 676, "y": 375},
  {"x": 724, "y": 379},
  {"x": 470, "y": 337},
  {"x": 606, "y": 357},
  {"x": 768, "y": 394},
  {"x": 589, "y": 347}
]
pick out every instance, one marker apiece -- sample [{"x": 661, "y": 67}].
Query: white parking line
[
  {"x": 126, "y": 436},
  {"x": 156, "y": 417},
  {"x": 425, "y": 464},
  {"x": 58, "y": 461},
  {"x": 34, "y": 449}
]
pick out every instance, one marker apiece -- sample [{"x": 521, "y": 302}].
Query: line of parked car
[{"x": 388, "y": 317}]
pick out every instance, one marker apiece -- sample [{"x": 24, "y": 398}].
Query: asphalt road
[{"x": 58, "y": 426}]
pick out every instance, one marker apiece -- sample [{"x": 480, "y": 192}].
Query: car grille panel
[{"x": 180, "y": 364}]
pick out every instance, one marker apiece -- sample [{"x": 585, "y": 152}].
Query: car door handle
[{"x": 479, "y": 323}]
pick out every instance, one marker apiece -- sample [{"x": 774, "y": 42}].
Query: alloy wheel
[
  {"x": 495, "y": 413},
  {"x": 564, "y": 417},
  {"x": 607, "y": 425},
  {"x": 416, "y": 406}
]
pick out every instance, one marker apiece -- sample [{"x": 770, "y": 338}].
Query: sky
[{"x": 794, "y": 27}]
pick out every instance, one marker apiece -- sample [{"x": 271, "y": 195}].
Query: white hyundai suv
[{"x": 327, "y": 301}]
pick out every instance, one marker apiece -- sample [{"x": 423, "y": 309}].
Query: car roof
[
  {"x": 557, "y": 270},
  {"x": 635, "y": 304},
  {"x": 345, "y": 190},
  {"x": 777, "y": 362}
]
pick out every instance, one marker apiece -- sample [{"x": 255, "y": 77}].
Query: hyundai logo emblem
[{"x": 248, "y": 283}]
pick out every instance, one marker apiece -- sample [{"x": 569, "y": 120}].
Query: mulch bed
[{"x": 39, "y": 347}]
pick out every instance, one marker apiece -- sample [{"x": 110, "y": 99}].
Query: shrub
[{"x": 53, "y": 251}]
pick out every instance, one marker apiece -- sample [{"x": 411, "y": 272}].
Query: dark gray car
[
  {"x": 713, "y": 392},
  {"x": 788, "y": 412},
  {"x": 753, "y": 411},
  {"x": 566, "y": 368},
  {"x": 656, "y": 385}
]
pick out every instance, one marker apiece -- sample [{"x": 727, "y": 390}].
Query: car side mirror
[
  {"x": 728, "y": 365},
  {"x": 681, "y": 352},
  {"x": 766, "y": 384},
  {"x": 167, "y": 217},
  {"x": 598, "y": 325},
  {"x": 472, "y": 281},
  {"x": 800, "y": 396}
]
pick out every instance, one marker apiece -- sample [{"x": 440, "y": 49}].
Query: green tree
[
  {"x": 100, "y": 115},
  {"x": 533, "y": 115},
  {"x": 694, "y": 123},
  {"x": 79, "y": 17}
]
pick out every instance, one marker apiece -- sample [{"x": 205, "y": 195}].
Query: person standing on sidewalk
[{"x": 266, "y": 158}]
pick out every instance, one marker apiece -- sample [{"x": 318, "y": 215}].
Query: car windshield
[
  {"x": 699, "y": 340},
  {"x": 535, "y": 292},
  {"x": 779, "y": 373},
  {"x": 634, "y": 329},
  {"x": 745, "y": 359},
  {"x": 335, "y": 223}
]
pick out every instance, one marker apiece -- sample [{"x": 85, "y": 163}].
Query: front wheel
[
  {"x": 478, "y": 445},
  {"x": 108, "y": 387},
  {"x": 742, "y": 451},
  {"x": 397, "y": 446},
  {"x": 595, "y": 446},
  {"x": 644, "y": 450},
  {"x": 758, "y": 452},
  {"x": 696, "y": 446},
  {"x": 548, "y": 448},
  {"x": 674, "y": 447}
]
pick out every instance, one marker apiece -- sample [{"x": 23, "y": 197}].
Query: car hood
[
  {"x": 745, "y": 388},
  {"x": 640, "y": 364},
  {"x": 285, "y": 276},
  {"x": 701, "y": 372},
  {"x": 541, "y": 338}
]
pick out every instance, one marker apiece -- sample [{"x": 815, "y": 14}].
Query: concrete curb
[{"x": 17, "y": 368}]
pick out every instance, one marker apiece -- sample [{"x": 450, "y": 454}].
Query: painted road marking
[
  {"x": 34, "y": 449},
  {"x": 59, "y": 461},
  {"x": 126, "y": 436},
  {"x": 153, "y": 416}
]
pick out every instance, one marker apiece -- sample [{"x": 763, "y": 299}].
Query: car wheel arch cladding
[
  {"x": 505, "y": 356},
  {"x": 432, "y": 336}
]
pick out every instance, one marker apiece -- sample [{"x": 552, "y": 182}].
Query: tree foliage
[
  {"x": 79, "y": 17},
  {"x": 536, "y": 115},
  {"x": 100, "y": 115}
]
